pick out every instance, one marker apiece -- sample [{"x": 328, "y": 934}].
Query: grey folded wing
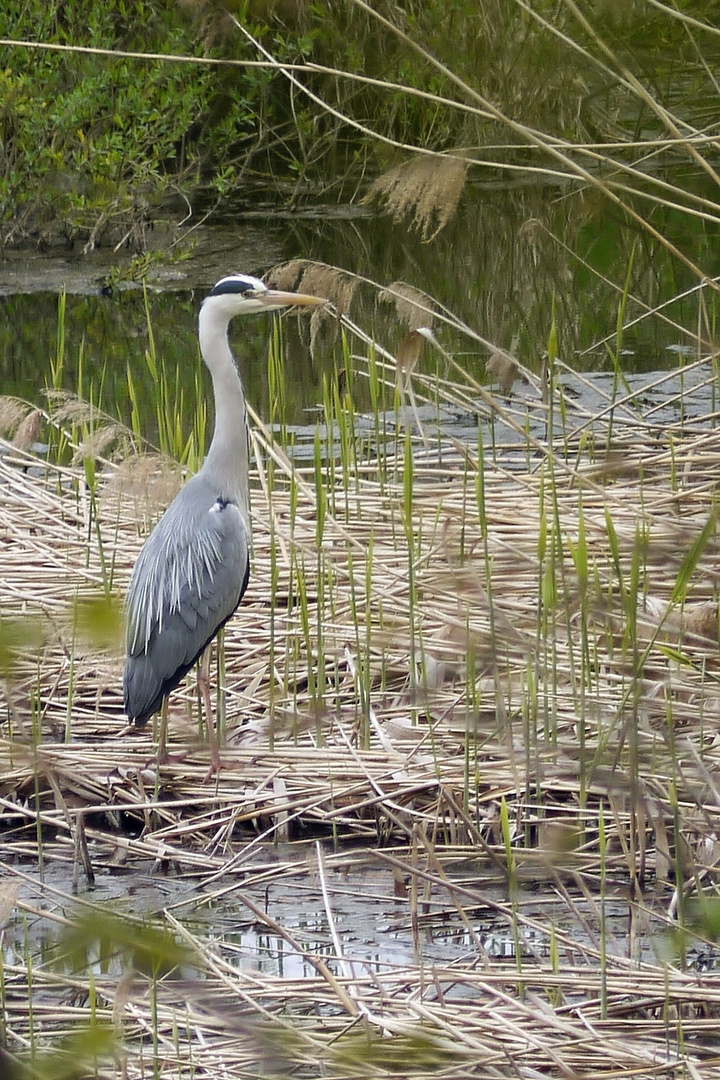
[{"x": 187, "y": 582}]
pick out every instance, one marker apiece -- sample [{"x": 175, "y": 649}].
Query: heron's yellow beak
[{"x": 276, "y": 298}]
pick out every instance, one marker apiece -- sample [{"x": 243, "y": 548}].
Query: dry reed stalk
[{"x": 436, "y": 706}]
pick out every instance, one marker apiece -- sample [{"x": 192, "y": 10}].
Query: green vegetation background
[{"x": 90, "y": 145}]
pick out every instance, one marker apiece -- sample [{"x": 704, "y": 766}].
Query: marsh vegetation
[
  {"x": 467, "y": 815},
  {"x": 468, "y": 819}
]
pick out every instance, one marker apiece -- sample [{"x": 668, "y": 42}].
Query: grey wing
[{"x": 187, "y": 582}]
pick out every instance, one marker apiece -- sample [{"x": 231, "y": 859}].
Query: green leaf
[
  {"x": 100, "y": 622},
  {"x": 18, "y": 637},
  {"x": 693, "y": 558},
  {"x": 145, "y": 947}
]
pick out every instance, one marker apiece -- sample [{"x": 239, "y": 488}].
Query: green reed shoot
[
  {"x": 329, "y": 480},
  {"x": 397, "y": 410},
  {"x": 345, "y": 409},
  {"x": 94, "y": 523},
  {"x": 554, "y": 385},
  {"x": 30, "y": 986},
  {"x": 376, "y": 390},
  {"x": 469, "y": 763},
  {"x": 552, "y": 355},
  {"x": 170, "y": 407},
  {"x": 37, "y": 781},
  {"x": 367, "y": 668},
  {"x": 579, "y": 553},
  {"x": 155, "y": 1026},
  {"x": 471, "y": 777},
  {"x": 602, "y": 840},
  {"x": 135, "y": 413},
  {"x": 355, "y": 623},
  {"x": 547, "y": 601},
  {"x": 345, "y": 417},
  {"x": 274, "y": 583},
  {"x": 512, "y": 886},
  {"x": 321, "y": 499},
  {"x": 301, "y": 592},
  {"x": 614, "y": 546},
  {"x": 57, "y": 372},
  {"x": 347, "y": 361},
  {"x": 276, "y": 380},
  {"x": 483, "y": 522},
  {"x": 630, "y": 637},
  {"x": 674, "y": 483},
  {"x": 71, "y": 681},
  {"x": 615, "y": 354},
  {"x": 57, "y": 363},
  {"x": 529, "y": 717},
  {"x": 409, "y": 525},
  {"x": 693, "y": 556}
]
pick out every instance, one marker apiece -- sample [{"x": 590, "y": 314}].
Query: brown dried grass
[
  {"x": 412, "y": 306},
  {"x": 385, "y": 751},
  {"x": 318, "y": 279},
  {"x": 428, "y": 188},
  {"x": 13, "y": 412}
]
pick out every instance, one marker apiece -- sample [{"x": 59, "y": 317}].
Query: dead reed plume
[
  {"x": 428, "y": 188},
  {"x": 468, "y": 819}
]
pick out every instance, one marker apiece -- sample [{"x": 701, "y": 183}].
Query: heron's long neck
[{"x": 226, "y": 463}]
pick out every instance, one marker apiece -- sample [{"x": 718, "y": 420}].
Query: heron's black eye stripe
[{"x": 232, "y": 286}]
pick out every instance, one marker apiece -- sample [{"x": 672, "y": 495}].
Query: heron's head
[{"x": 241, "y": 294}]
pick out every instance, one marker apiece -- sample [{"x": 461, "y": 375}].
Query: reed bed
[{"x": 472, "y": 694}]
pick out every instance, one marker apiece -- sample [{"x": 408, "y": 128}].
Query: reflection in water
[
  {"x": 374, "y": 926},
  {"x": 502, "y": 265}
]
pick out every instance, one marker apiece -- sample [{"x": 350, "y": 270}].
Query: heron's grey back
[{"x": 187, "y": 582}]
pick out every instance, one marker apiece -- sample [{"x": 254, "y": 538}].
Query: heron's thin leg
[
  {"x": 204, "y": 686},
  {"x": 162, "y": 737}
]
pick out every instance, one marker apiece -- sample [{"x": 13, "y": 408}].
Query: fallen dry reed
[{"x": 470, "y": 795}]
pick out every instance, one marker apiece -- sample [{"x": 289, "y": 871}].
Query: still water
[
  {"x": 363, "y": 910},
  {"x": 510, "y": 259}
]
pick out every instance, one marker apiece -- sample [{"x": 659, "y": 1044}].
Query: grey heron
[{"x": 194, "y": 567}]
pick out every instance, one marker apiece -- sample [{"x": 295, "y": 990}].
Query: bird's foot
[
  {"x": 164, "y": 757},
  {"x": 216, "y": 765}
]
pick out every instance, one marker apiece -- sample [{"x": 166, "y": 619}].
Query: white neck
[{"x": 226, "y": 464}]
